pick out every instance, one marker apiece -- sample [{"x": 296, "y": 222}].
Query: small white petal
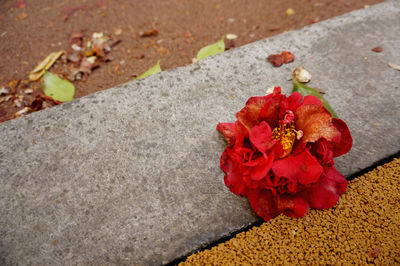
[
  {"x": 270, "y": 90},
  {"x": 301, "y": 75}
]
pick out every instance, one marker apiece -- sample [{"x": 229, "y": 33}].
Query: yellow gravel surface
[{"x": 364, "y": 227}]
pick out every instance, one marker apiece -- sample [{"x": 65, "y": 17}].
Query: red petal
[
  {"x": 260, "y": 137},
  {"x": 290, "y": 103},
  {"x": 261, "y": 167},
  {"x": 295, "y": 100},
  {"x": 263, "y": 203},
  {"x": 270, "y": 111},
  {"x": 228, "y": 130},
  {"x": 315, "y": 122},
  {"x": 325, "y": 194},
  {"x": 322, "y": 149},
  {"x": 346, "y": 140},
  {"x": 224, "y": 160},
  {"x": 294, "y": 206},
  {"x": 233, "y": 178},
  {"x": 303, "y": 168},
  {"x": 312, "y": 100}
]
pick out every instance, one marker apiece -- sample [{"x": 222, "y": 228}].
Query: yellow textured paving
[{"x": 364, "y": 227}]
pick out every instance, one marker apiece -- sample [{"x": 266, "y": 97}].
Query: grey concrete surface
[{"x": 131, "y": 175}]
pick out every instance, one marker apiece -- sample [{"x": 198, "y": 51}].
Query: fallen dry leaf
[
  {"x": 272, "y": 29},
  {"x": 377, "y": 49},
  {"x": 162, "y": 50},
  {"x": 279, "y": 59},
  {"x": 23, "y": 111},
  {"x": 74, "y": 57},
  {"x": 87, "y": 64},
  {"x": 44, "y": 65},
  {"x": 76, "y": 38},
  {"x": 2, "y": 113},
  {"x": 42, "y": 101},
  {"x": 22, "y": 16},
  {"x": 118, "y": 31},
  {"x": 28, "y": 91},
  {"x": 394, "y": 66},
  {"x": 230, "y": 44},
  {"x": 4, "y": 91},
  {"x": 152, "y": 32},
  {"x": 289, "y": 11},
  {"x": 231, "y": 36}
]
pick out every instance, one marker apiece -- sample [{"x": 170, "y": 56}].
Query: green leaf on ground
[
  {"x": 305, "y": 90},
  {"x": 151, "y": 71},
  {"x": 57, "y": 88},
  {"x": 211, "y": 49}
]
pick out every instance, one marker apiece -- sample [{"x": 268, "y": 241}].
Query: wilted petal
[
  {"x": 315, "y": 122},
  {"x": 228, "y": 130},
  {"x": 249, "y": 116}
]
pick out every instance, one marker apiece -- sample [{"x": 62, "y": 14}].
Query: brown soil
[
  {"x": 363, "y": 228},
  {"x": 28, "y": 35}
]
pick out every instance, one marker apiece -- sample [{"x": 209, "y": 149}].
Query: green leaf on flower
[
  {"x": 211, "y": 49},
  {"x": 151, "y": 71},
  {"x": 57, "y": 88},
  {"x": 305, "y": 90}
]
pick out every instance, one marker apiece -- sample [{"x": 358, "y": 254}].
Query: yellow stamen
[{"x": 285, "y": 134}]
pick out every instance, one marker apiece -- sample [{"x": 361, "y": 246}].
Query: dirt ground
[{"x": 28, "y": 33}]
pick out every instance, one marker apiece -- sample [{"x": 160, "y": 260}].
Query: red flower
[{"x": 280, "y": 154}]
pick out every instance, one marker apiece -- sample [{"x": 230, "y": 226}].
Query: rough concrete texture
[{"x": 131, "y": 174}]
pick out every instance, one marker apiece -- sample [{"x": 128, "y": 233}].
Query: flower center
[{"x": 285, "y": 133}]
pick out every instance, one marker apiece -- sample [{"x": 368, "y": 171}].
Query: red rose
[{"x": 280, "y": 154}]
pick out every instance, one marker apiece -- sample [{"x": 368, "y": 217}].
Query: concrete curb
[{"x": 131, "y": 175}]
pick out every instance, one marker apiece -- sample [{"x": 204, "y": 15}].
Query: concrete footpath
[{"x": 131, "y": 175}]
